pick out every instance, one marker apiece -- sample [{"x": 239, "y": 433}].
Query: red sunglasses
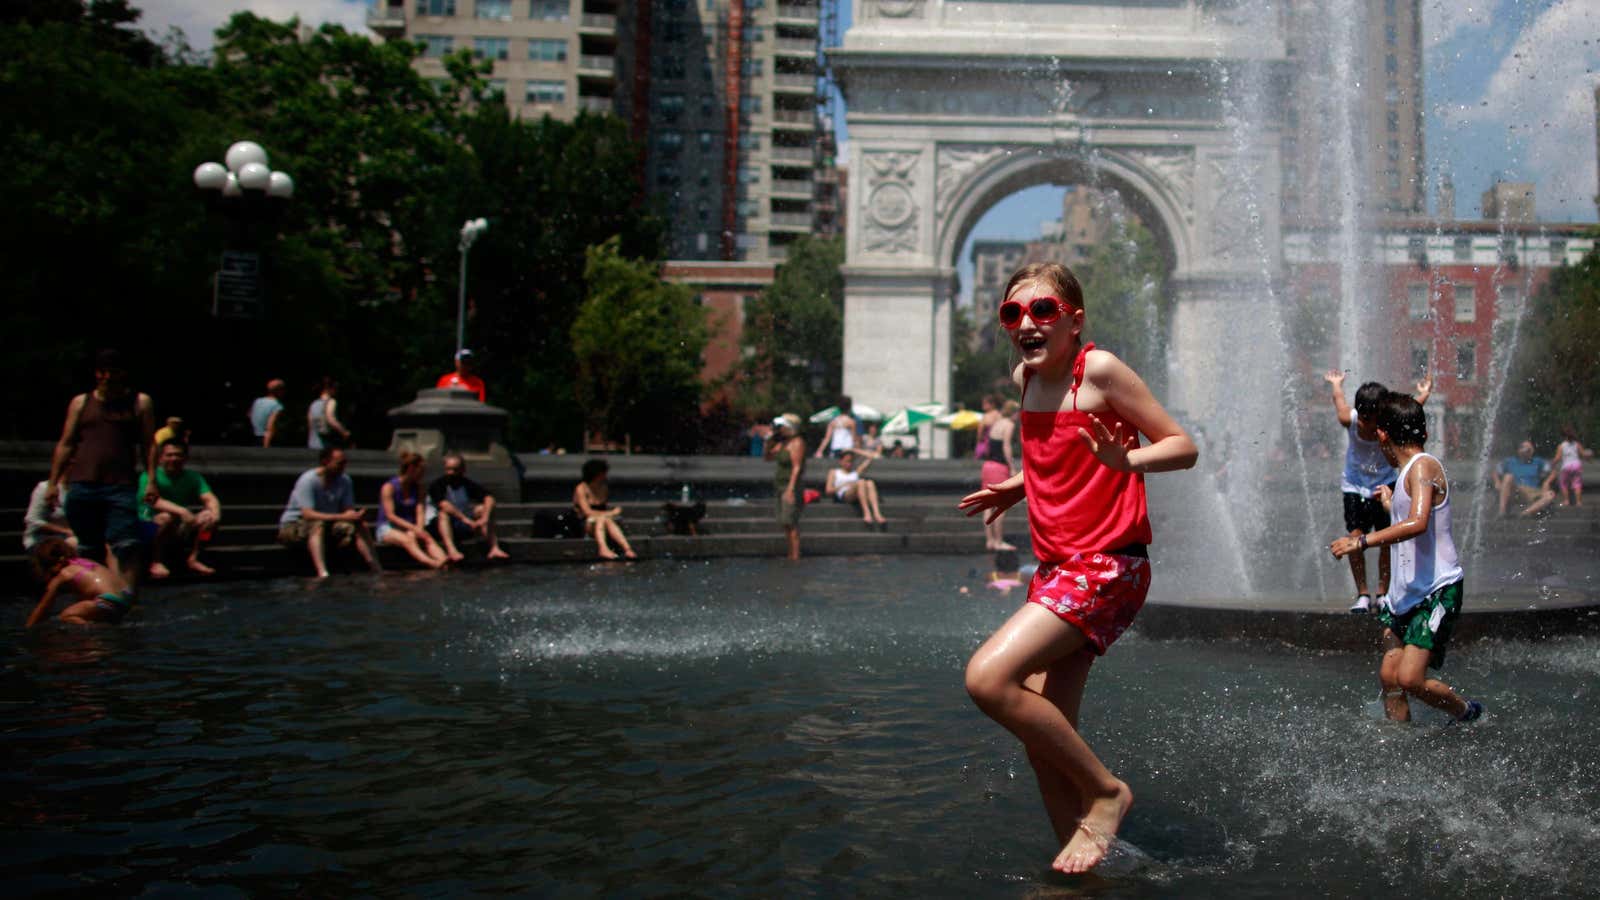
[{"x": 1042, "y": 310}]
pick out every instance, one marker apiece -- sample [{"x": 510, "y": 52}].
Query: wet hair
[
  {"x": 594, "y": 468},
  {"x": 1400, "y": 416},
  {"x": 47, "y": 555},
  {"x": 848, "y": 453},
  {"x": 1568, "y": 432},
  {"x": 325, "y": 454},
  {"x": 407, "y": 459},
  {"x": 329, "y": 384},
  {"x": 1005, "y": 561},
  {"x": 845, "y": 405},
  {"x": 1058, "y": 277},
  {"x": 1368, "y": 396}
]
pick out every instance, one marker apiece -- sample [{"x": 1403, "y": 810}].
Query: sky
[{"x": 1508, "y": 85}]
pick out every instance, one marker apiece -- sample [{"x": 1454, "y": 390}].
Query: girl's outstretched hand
[
  {"x": 1106, "y": 445},
  {"x": 996, "y": 498}
]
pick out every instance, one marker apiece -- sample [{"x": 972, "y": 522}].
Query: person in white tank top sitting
[
  {"x": 1424, "y": 599},
  {"x": 845, "y": 485}
]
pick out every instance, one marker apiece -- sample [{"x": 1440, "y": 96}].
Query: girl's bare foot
[
  {"x": 1005, "y": 546},
  {"x": 1096, "y": 831},
  {"x": 196, "y": 565},
  {"x": 157, "y": 570},
  {"x": 497, "y": 553},
  {"x": 630, "y": 554},
  {"x": 608, "y": 554}
]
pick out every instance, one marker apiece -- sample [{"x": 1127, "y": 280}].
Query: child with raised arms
[
  {"x": 1083, "y": 469},
  {"x": 1424, "y": 599}
]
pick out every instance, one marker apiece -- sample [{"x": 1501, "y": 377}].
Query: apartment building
[
  {"x": 723, "y": 94},
  {"x": 1385, "y": 72}
]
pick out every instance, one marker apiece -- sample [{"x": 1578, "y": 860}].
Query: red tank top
[{"x": 1075, "y": 503}]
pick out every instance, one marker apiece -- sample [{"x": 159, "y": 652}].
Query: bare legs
[
  {"x": 420, "y": 546},
  {"x": 994, "y": 534},
  {"x": 1082, "y": 796},
  {"x": 865, "y": 493},
  {"x": 1404, "y": 671},
  {"x": 606, "y": 532},
  {"x": 170, "y": 528},
  {"x": 316, "y": 537},
  {"x": 1358, "y": 569},
  {"x": 447, "y": 536},
  {"x": 791, "y": 534}
]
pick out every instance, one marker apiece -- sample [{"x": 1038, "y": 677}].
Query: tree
[
  {"x": 638, "y": 341},
  {"x": 794, "y": 333},
  {"x": 981, "y": 355},
  {"x": 1124, "y": 291},
  {"x": 1553, "y": 379}
]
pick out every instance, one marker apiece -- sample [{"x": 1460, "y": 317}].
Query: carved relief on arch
[
  {"x": 955, "y": 163},
  {"x": 890, "y": 224},
  {"x": 1235, "y": 210},
  {"x": 1174, "y": 168}
]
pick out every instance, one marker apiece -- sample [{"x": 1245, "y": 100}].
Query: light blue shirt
[
  {"x": 261, "y": 413},
  {"x": 310, "y": 493}
]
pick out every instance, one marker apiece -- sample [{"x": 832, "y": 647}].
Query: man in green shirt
[{"x": 185, "y": 515}]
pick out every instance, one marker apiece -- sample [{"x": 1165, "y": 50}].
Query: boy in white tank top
[{"x": 1424, "y": 598}]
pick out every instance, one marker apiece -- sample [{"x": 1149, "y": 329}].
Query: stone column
[
  {"x": 897, "y": 342},
  {"x": 443, "y": 421}
]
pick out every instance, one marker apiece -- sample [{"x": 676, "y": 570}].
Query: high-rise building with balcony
[
  {"x": 549, "y": 56},
  {"x": 1385, "y": 79},
  {"x": 723, "y": 94}
]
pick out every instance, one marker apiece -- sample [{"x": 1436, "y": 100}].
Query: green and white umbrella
[
  {"x": 906, "y": 420},
  {"x": 861, "y": 411}
]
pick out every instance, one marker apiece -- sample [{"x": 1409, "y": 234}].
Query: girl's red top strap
[{"x": 1077, "y": 371}]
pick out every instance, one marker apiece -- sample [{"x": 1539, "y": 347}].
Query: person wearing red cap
[{"x": 465, "y": 377}]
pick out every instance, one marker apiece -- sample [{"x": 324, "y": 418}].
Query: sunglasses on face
[{"x": 1042, "y": 310}]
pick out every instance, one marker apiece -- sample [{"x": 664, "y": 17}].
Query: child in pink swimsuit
[
  {"x": 99, "y": 595},
  {"x": 1083, "y": 474}
]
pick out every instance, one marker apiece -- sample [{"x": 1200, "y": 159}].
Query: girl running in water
[{"x": 1083, "y": 473}]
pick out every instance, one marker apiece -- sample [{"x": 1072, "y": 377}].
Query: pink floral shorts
[{"x": 1097, "y": 593}]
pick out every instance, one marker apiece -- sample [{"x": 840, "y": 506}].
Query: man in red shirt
[{"x": 463, "y": 378}]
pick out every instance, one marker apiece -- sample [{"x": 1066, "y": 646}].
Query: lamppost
[
  {"x": 247, "y": 192},
  {"x": 469, "y": 233}
]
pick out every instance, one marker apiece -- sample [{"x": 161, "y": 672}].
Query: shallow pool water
[{"x": 744, "y": 727}]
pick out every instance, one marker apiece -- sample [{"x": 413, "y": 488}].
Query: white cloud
[
  {"x": 1444, "y": 19},
  {"x": 200, "y": 18},
  {"x": 1543, "y": 93}
]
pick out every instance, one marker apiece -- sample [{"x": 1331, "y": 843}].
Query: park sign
[{"x": 239, "y": 291}]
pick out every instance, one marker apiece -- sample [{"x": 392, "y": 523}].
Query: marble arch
[{"x": 953, "y": 105}]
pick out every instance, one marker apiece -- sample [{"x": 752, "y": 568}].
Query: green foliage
[
  {"x": 104, "y": 129},
  {"x": 1124, "y": 293},
  {"x": 1554, "y": 379},
  {"x": 981, "y": 359},
  {"x": 638, "y": 342},
  {"x": 794, "y": 333}
]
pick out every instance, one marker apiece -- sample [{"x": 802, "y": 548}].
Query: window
[
  {"x": 1463, "y": 249},
  {"x": 705, "y": 141},
  {"x": 1393, "y": 179},
  {"x": 436, "y": 7},
  {"x": 547, "y": 49},
  {"x": 1558, "y": 251},
  {"x": 669, "y": 142},
  {"x": 1419, "y": 358},
  {"x": 751, "y": 67},
  {"x": 1390, "y": 64},
  {"x": 1508, "y": 249},
  {"x": 667, "y": 176},
  {"x": 545, "y": 93},
  {"x": 1467, "y": 360},
  {"x": 1417, "y": 248},
  {"x": 491, "y": 48},
  {"x": 1466, "y": 303},
  {"x": 1508, "y": 297},
  {"x": 753, "y": 34},
  {"x": 549, "y": 10},
  {"x": 749, "y": 208},
  {"x": 670, "y": 106},
  {"x": 671, "y": 66},
  {"x": 749, "y": 104},
  {"x": 494, "y": 9},
  {"x": 749, "y": 175},
  {"x": 1390, "y": 35},
  {"x": 436, "y": 45},
  {"x": 1394, "y": 120},
  {"x": 672, "y": 31},
  {"x": 707, "y": 104},
  {"x": 1417, "y": 300},
  {"x": 749, "y": 141}
]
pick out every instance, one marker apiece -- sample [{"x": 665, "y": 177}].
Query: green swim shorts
[{"x": 1428, "y": 624}]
